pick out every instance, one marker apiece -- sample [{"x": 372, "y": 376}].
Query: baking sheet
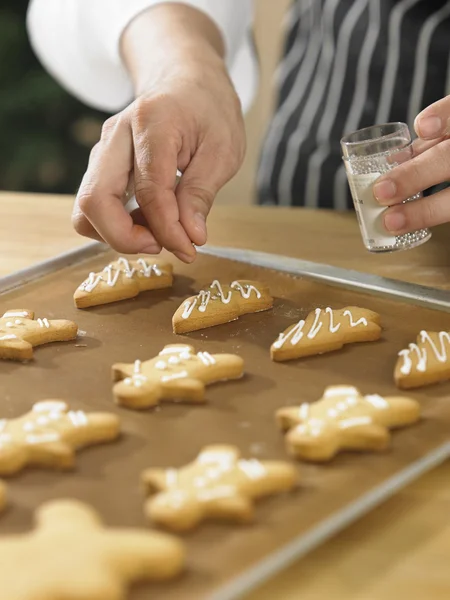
[{"x": 223, "y": 560}]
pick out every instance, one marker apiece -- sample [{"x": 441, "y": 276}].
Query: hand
[
  {"x": 186, "y": 116},
  {"x": 429, "y": 166}
]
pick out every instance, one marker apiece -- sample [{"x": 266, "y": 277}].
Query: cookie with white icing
[
  {"x": 49, "y": 434},
  {"x": 20, "y": 332},
  {"x": 122, "y": 279},
  {"x": 177, "y": 373},
  {"x": 218, "y": 485},
  {"x": 220, "y": 304},
  {"x": 424, "y": 362},
  {"x": 325, "y": 330},
  {"x": 344, "y": 419}
]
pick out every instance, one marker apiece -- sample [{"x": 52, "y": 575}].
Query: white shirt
[{"x": 78, "y": 43}]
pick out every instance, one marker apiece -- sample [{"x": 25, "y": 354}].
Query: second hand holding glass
[{"x": 367, "y": 154}]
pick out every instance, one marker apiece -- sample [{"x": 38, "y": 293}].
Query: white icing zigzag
[
  {"x": 421, "y": 353},
  {"x": 205, "y": 296},
  {"x": 112, "y": 273},
  {"x": 297, "y": 332}
]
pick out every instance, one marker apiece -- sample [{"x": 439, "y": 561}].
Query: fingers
[
  {"x": 410, "y": 178},
  {"x": 420, "y": 146},
  {"x": 433, "y": 121},
  {"x": 99, "y": 210},
  {"x": 206, "y": 174},
  {"x": 156, "y": 148},
  {"x": 411, "y": 216}
]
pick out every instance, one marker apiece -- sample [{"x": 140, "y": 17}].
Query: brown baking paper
[{"x": 238, "y": 412}]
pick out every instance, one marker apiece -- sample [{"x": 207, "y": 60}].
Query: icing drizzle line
[
  {"x": 297, "y": 332},
  {"x": 421, "y": 353},
  {"x": 204, "y": 297},
  {"x": 112, "y": 273}
]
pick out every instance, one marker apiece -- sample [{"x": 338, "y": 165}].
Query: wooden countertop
[{"x": 401, "y": 549}]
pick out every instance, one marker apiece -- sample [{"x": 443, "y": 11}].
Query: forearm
[{"x": 168, "y": 38}]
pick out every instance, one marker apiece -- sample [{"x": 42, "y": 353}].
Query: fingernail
[
  {"x": 429, "y": 127},
  {"x": 384, "y": 190},
  {"x": 187, "y": 258},
  {"x": 200, "y": 224},
  {"x": 395, "y": 221}
]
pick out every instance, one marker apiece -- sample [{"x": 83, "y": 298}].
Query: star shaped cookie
[
  {"x": 49, "y": 434},
  {"x": 177, "y": 373},
  {"x": 219, "y": 484},
  {"x": 70, "y": 555},
  {"x": 221, "y": 304},
  {"x": 343, "y": 419},
  {"x": 20, "y": 331},
  {"x": 122, "y": 279}
]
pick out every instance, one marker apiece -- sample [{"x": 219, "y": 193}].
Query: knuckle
[
  {"x": 108, "y": 127},
  {"x": 81, "y": 224},
  {"x": 202, "y": 195},
  {"x": 87, "y": 196}
]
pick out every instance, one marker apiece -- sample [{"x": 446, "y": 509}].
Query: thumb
[
  {"x": 206, "y": 174},
  {"x": 433, "y": 121}
]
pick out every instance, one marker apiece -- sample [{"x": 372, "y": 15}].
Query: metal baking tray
[{"x": 224, "y": 561}]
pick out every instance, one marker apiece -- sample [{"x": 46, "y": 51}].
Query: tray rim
[{"x": 275, "y": 562}]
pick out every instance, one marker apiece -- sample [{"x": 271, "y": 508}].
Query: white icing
[
  {"x": 296, "y": 333},
  {"x": 421, "y": 353},
  {"x": 78, "y": 418},
  {"x": 173, "y": 360},
  {"x": 137, "y": 379},
  {"x": 245, "y": 291},
  {"x": 377, "y": 401},
  {"x": 177, "y": 375},
  {"x": 9, "y": 336},
  {"x": 317, "y": 324},
  {"x": 252, "y": 468},
  {"x": 216, "y": 284},
  {"x": 361, "y": 321},
  {"x": 43, "y": 323},
  {"x": 174, "y": 350},
  {"x": 206, "y": 358},
  {"x": 17, "y": 313},
  {"x": 43, "y": 438},
  {"x": 204, "y": 297},
  {"x": 160, "y": 365},
  {"x": 112, "y": 273},
  {"x": 354, "y": 421},
  {"x": 339, "y": 390}
]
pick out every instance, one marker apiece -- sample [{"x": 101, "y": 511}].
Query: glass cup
[{"x": 367, "y": 154}]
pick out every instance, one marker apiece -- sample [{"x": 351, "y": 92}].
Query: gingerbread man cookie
[
  {"x": 325, "y": 330},
  {"x": 217, "y": 485},
  {"x": 425, "y": 362},
  {"x": 19, "y": 332},
  {"x": 49, "y": 434},
  {"x": 70, "y": 555},
  {"x": 344, "y": 420},
  {"x": 123, "y": 279},
  {"x": 221, "y": 304},
  {"x": 177, "y": 373}
]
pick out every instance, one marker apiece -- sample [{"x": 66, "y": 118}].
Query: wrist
[{"x": 170, "y": 40}]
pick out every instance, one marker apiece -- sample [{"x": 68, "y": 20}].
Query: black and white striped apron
[{"x": 347, "y": 64}]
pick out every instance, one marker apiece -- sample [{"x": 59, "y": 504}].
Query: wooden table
[{"x": 401, "y": 549}]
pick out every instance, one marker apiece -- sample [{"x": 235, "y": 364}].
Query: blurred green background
[{"x": 45, "y": 134}]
